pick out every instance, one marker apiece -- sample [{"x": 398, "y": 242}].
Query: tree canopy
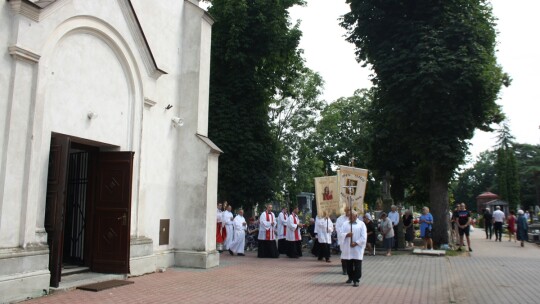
[{"x": 436, "y": 81}]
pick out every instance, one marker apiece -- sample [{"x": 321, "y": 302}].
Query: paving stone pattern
[{"x": 496, "y": 272}]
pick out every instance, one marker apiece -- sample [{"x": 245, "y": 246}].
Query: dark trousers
[
  {"x": 316, "y": 247},
  {"x": 497, "y": 227},
  {"x": 294, "y": 249},
  {"x": 354, "y": 270},
  {"x": 489, "y": 230},
  {"x": 395, "y": 236},
  {"x": 282, "y": 246},
  {"x": 324, "y": 251},
  {"x": 344, "y": 266}
]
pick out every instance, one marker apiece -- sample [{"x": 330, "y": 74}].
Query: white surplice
[
  {"x": 293, "y": 231},
  {"x": 239, "y": 239},
  {"x": 227, "y": 220},
  {"x": 267, "y": 224},
  {"x": 324, "y": 228},
  {"x": 359, "y": 236},
  {"x": 282, "y": 225}
]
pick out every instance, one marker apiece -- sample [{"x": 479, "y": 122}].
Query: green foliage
[
  {"x": 528, "y": 164},
  {"x": 507, "y": 173},
  {"x": 253, "y": 44},
  {"x": 477, "y": 179},
  {"x": 436, "y": 81}
]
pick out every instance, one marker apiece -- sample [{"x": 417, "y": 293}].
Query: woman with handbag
[{"x": 426, "y": 222}]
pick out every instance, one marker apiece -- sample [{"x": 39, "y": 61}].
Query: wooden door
[
  {"x": 112, "y": 212},
  {"x": 55, "y": 204}
]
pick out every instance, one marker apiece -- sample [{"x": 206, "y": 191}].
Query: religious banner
[
  {"x": 352, "y": 183},
  {"x": 327, "y": 195}
]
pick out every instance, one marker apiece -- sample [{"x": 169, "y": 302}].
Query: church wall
[{"x": 89, "y": 60}]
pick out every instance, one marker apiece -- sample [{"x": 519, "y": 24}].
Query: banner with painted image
[
  {"x": 327, "y": 195},
  {"x": 352, "y": 184}
]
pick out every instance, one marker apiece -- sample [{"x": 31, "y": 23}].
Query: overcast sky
[{"x": 327, "y": 53}]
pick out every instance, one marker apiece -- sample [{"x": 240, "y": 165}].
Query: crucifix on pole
[{"x": 349, "y": 201}]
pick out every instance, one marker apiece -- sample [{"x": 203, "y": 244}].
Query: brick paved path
[{"x": 499, "y": 272}]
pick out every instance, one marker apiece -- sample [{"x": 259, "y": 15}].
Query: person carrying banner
[
  {"x": 324, "y": 228},
  {"x": 353, "y": 237}
]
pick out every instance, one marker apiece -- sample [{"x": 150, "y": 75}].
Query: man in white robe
[
  {"x": 239, "y": 240},
  {"x": 282, "y": 230},
  {"x": 339, "y": 222},
  {"x": 352, "y": 240},
  {"x": 227, "y": 219},
  {"x": 267, "y": 237},
  {"x": 294, "y": 236},
  {"x": 324, "y": 228}
]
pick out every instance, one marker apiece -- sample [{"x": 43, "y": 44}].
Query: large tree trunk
[{"x": 438, "y": 195}]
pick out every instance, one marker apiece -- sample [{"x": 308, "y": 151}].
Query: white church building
[{"x": 105, "y": 161}]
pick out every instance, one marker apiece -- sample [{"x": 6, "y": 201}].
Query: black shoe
[
  {"x": 230, "y": 251},
  {"x": 355, "y": 284},
  {"x": 241, "y": 254},
  {"x": 319, "y": 259},
  {"x": 470, "y": 249},
  {"x": 348, "y": 281}
]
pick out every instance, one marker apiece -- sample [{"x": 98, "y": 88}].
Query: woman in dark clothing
[
  {"x": 522, "y": 227},
  {"x": 409, "y": 228},
  {"x": 371, "y": 234}
]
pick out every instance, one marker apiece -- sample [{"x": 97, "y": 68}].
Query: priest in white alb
[
  {"x": 239, "y": 239},
  {"x": 227, "y": 220},
  {"x": 339, "y": 222},
  {"x": 352, "y": 241}
]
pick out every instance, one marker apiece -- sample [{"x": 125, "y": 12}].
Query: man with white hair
[
  {"x": 498, "y": 221},
  {"x": 393, "y": 216},
  {"x": 239, "y": 239},
  {"x": 352, "y": 241}
]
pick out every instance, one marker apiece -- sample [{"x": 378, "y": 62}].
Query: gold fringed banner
[
  {"x": 352, "y": 184},
  {"x": 327, "y": 195}
]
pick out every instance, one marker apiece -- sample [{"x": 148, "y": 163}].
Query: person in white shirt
[
  {"x": 294, "y": 237},
  {"x": 239, "y": 240},
  {"x": 498, "y": 221},
  {"x": 282, "y": 230},
  {"x": 352, "y": 240},
  {"x": 339, "y": 222},
  {"x": 393, "y": 215},
  {"x": 324, "y": 228},
  {"x": 267, "y": 238},
  {"x": 227, "y": 219}
]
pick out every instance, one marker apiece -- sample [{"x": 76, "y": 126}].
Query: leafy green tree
[
  {"x": 475, "y": 180},
  {"x": 528, "y": 160},
  {"x": 436, "y": 78},
  {"x": 253, "y": 46},
  {"x": 507, "y": 172},
  {"x": 293, "y": 117},
  {"x": 341, "y": 137}
]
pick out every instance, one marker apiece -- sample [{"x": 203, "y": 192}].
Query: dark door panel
[
  {"x": 55, "y": 204},
  {"x": 112, "y": 212}
]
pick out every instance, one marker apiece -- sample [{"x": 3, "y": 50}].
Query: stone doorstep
[{"x": 72, "y": 281}]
